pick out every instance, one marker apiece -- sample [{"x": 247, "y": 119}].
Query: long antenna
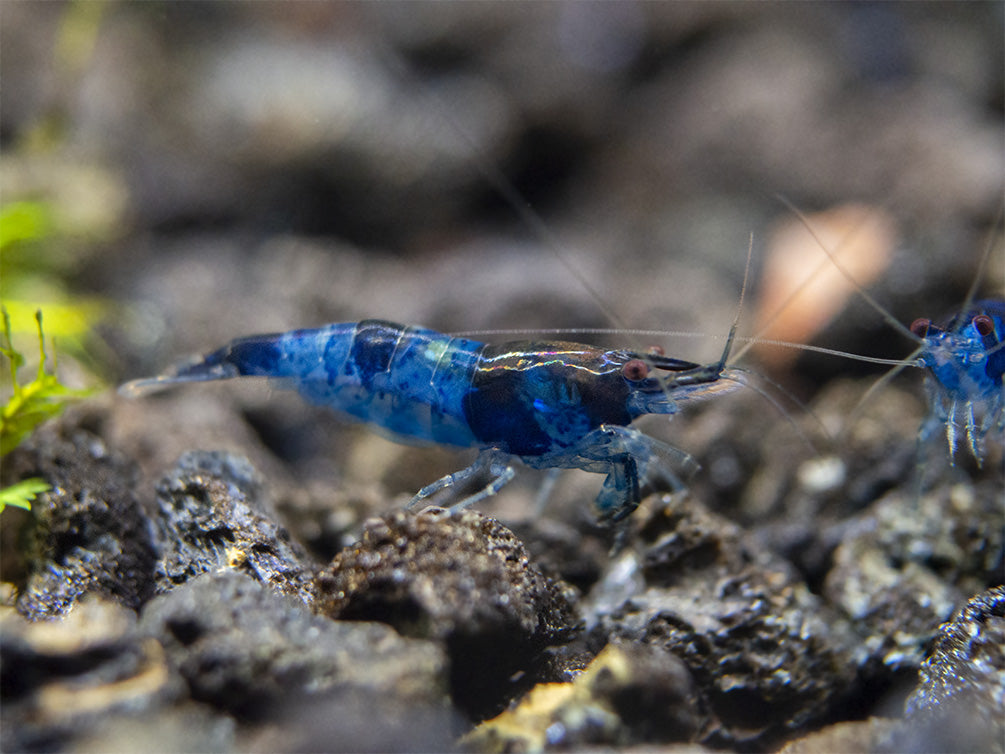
[
  {"x": 505, "y": 188},
  {"x": 985, "y": 259},
  {"x": 890, "y": 319},
  {"x": 739, "y": 307}
]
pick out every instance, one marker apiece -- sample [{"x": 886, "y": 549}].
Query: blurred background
[{"x": 177, "y": 174}]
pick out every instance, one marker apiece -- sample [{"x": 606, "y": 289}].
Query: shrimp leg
[
  {"x": 493, "y": 461},
  {"x": 629, "y": 458}
]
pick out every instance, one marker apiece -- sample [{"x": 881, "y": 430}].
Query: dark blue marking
[
  {"x": 372, "y": 347},
  {"x": 500, "y": 413},
  {"x": 996, "y": 365},
  {"x": 255, "y": 356},
  {"x": 528, "y": 403}
]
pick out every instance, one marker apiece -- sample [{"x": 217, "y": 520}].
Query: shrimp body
[
  {"x": 965, "y": 360},
  {"x": 551, "y": 404}
]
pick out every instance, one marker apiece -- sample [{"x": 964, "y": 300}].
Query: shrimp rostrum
[{"x": 550, "y": 404}]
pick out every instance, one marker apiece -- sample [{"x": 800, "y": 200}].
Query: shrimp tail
[{"x": 255, "y": 356}]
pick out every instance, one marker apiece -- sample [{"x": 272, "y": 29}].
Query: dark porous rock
[
  {"x": 766, "y": 655},
  {"x": 959, "y": 704},
  {"x": 908, "y": 563},
  {"x": 629, "y": 694},
  {"x": 88, "y": 533},
  {"x": 573, "y": 552},
  {"x": 213, "y": 514},
  {"x": 463, "y": 579},
  {"x": 60, "y": 678},
  {"x": 245, "y": 649},
  {"x": 651, "y": 691}
]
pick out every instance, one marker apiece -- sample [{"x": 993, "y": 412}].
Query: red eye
[
  {"x": 656, "y": 351},
  {"x": 983, "y": 325},
  {"x": 920, "y": 327},
  {"x": 635, "y": 370}
]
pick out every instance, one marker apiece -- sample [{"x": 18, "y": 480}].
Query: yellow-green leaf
[
  {"x": 34, "y": 402},
  {"x": 21, "y": 494}
]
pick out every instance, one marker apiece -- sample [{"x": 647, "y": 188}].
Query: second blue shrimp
[
  {"x": 965, "y": 361},
  {"x": 550, "y": 404}
]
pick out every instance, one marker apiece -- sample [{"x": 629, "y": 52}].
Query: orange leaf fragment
[{"x": 803, "y": 290}]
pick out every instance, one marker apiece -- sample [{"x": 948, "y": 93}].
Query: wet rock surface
[
  {"x": 629, "y": 694},
  {"x": 59, "y": 678},
  {"x": 215, "y": 171},
  {"x": 89, "y": 532},
  {"x": 245, "y": 649},
  {"x": 961, "y": 693},
  {"x": 462, "y": 579},
  {"x": 904, "y": 568},
  {"x": 212, "y": 514},
  {"x": 433, "y": 621},
  {"x": 767, "y": 655}
]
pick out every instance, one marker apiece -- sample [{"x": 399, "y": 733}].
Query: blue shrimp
[
  {"x": 549, "y": 404},
  {"x": 964, "y": 360}
]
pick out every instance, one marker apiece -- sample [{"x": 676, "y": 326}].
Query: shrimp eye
[
  {"x": 656, "y": 351},
  {"x": 983, "y": 325},
  {"x": 920, "y": 327},
  {"x": 635, "y": 370}
]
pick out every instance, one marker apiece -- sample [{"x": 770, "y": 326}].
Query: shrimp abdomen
[{"x": 407, "y": 382}]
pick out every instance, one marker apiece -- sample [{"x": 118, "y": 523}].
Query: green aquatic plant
[
  {"x": 21, "y": 494},
  {"x": 29, "y": 405}
]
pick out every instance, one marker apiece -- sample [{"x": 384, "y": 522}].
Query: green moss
[{"x": 29, "y": 405}]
